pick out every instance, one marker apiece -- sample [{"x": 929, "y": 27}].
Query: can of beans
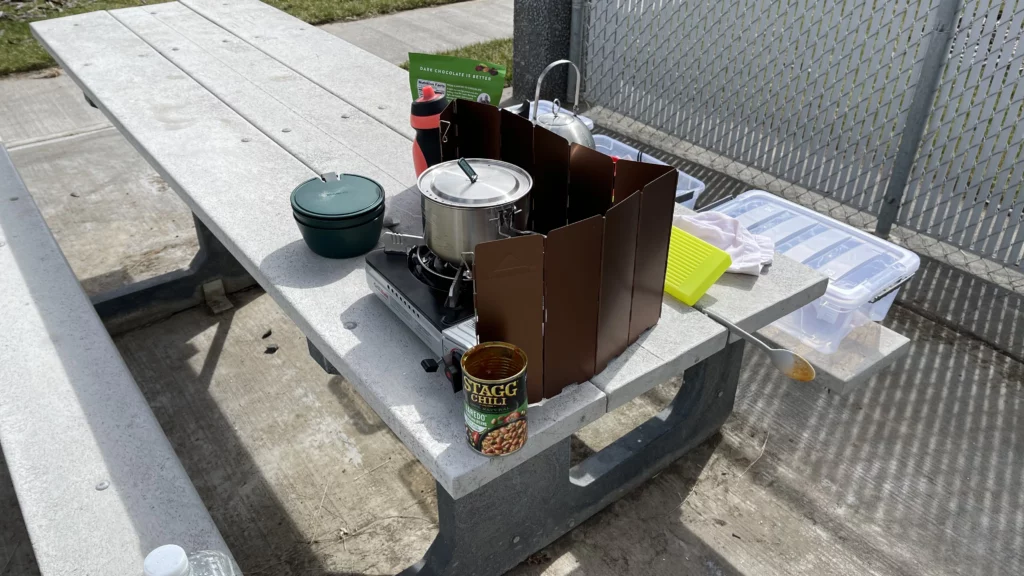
[{"x": 494, "y": 384}]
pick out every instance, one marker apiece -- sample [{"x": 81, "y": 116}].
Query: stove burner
[
  {"x": 433, "y": 271},
  {"x": 451, "y": 283}
]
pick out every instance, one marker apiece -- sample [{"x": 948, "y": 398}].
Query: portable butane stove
[{"x": 432, "y": 297}]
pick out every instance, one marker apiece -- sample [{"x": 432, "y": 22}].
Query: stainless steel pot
[{"x": 469, "y": 201}]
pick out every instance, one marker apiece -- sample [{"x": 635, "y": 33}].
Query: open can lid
[
  {"x": 496, "y": 183},
  {"x": 337, "y": 197}
]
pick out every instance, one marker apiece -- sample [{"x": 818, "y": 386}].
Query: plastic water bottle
[
  {"x": 171, "y": 560},
  {"x": 426, "y": 120}
]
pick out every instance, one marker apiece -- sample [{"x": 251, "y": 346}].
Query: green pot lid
[{"x": 337, "y": 197}]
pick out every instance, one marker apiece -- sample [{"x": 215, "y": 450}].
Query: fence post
[
  {"x": 575, "y": 45},
  {"x": 917, "y": 116},
  {"x": 540, "y": 35}
]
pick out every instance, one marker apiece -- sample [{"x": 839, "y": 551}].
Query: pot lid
[
  {"x": 475, "y": 183},
  {"x": 334, "y": 197}
]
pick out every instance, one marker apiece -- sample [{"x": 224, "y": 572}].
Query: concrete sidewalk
[
  {"x": 95, "y": 190},
  {"x": 428, "y": 30}
]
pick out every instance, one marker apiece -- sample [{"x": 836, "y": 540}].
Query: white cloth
[{"x": 749, "y": 252}]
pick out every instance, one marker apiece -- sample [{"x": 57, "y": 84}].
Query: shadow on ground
[
  {"x": 968, "y": 304},
  {"x": 298, "y": 474},
  {"x": 16, "y": 558},
  {"x": 917, "y": 472}
]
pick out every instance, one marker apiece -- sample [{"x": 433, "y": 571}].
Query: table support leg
[
  {"x": 143, "y": 302},
  {"x": 492, "y": 529},
  {"x": 320, "y": 359}
]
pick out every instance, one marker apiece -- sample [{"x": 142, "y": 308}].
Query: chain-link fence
[
  {"x": 825, "y": 103},
  {"x": 967, "y": 184}
]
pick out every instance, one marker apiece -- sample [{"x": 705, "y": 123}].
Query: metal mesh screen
[
  {"x": 814, "y": 93},
  {"x": 967, "y": 184}
]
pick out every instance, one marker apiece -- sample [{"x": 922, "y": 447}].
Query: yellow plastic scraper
[{"x": 693, "y": 266}]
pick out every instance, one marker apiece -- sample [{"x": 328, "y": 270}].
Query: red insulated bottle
[{"x": 426, "y": 120}]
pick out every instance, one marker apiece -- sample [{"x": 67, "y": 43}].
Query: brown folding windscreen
[
  {"x": 572, "y": 291},
  {"x": 619, "y": 256},
  {"x": 576, "y": 293},
  {"x": 509, "y": 282}
]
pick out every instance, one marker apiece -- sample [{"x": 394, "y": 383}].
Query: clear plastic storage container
[
  {"x": 688, "y": 188},
  {"x": 864, "y": 271}
]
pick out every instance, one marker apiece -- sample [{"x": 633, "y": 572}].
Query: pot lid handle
[{"x": 470, "y": 173}]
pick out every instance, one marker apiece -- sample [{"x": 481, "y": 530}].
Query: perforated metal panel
[{"x": 967, "y": 183}]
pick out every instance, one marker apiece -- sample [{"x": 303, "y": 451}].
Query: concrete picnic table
[{"x": 234, "y": 103}]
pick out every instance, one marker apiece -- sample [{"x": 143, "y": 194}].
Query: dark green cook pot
[{"x": 339, "y": 216}]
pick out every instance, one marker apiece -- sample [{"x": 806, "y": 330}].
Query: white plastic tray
[{"x": 863, "y": 270}]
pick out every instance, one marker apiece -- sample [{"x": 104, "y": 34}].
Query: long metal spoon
[{"x": 788, "y": 362}]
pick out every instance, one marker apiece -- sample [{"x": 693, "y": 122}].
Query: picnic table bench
[
  {"x": 97, "y": 481},
  {"x": 234, "y": 103}
]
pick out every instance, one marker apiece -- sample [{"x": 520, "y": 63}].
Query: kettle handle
[{"x": 540, "y": 79}]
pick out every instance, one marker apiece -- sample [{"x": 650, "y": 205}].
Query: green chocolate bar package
[{"x": 456, "y": 77}]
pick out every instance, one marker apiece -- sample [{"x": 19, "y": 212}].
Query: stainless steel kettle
[{"x": 566, "y": 125}]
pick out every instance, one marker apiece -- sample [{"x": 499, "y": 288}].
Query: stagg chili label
[
  {"x": 495, "y": 415},
  {"x": 494, "y": 386}
]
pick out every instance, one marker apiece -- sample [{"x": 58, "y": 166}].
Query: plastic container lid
[
  {"x": 860, "y": 266},
  {"x": 167, "y": 560},
  {"x": 333, "y": 197},
  {"x": 497, "y": 183},
  {"x": 688, "y": 188}
]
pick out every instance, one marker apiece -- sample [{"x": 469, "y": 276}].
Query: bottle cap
[
  {"x": 431, "y": 103},
  {"x": 167, "y": 560}
]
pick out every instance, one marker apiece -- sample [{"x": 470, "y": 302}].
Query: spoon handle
[{"x": 734, "y": 328}]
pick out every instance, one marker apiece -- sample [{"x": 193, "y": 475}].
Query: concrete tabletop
[{"x": 236, "y": 103}]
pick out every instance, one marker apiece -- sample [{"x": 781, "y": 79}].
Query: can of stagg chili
[{"x": 494, "y": 384}]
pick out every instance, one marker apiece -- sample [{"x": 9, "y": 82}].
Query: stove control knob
[
  {"x": 453, "y": 369},
  {"x": 429, "y": 365}
]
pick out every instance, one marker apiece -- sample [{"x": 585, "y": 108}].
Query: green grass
[
  {"x": 324, "y": 11},
  {"x": 493, "y": 51},
  {"x": 19, "y": 52}
]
